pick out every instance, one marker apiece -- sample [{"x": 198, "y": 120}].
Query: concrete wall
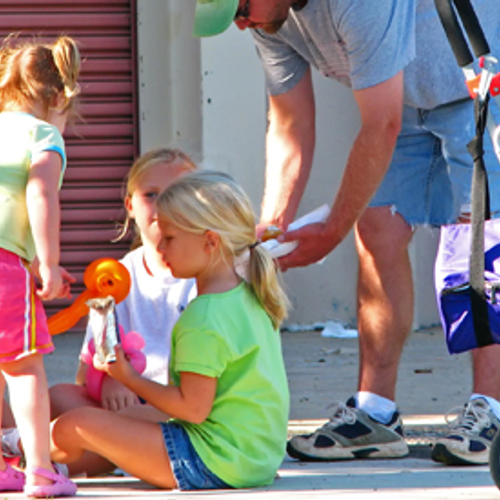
[
  {"x": 209, "y": 97},
  {"x": 169, "y": 75}
]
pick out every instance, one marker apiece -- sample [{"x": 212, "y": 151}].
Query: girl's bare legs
[
  {"x": 29, "y": 400},
  {"x": 65, "y": 397},
  {"x": 7, "y": 418},
  {"x": 135, "y": 445},
  {"x": 93, "y": 464},
  {"x": 90, "y": 464}
]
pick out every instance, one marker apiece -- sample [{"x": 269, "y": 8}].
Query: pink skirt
[{"x": 23, "y": 323}]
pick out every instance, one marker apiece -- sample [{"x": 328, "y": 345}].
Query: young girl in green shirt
[{"x": 228, "y": 397}]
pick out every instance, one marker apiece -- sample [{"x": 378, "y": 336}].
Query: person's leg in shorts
[
  {"x": 469, "y": 436},
  {"x": 412, "y": 193}
]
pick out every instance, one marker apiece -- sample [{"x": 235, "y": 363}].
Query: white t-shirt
[{"x": 151, "y": 308}]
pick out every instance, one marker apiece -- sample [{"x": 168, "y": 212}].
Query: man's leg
[
  {"x": 385, "y": 298},
  {"x": 385, "y": 308},
  {"x": 486, "y": 371},
  {"x": 469, "y": 436}
]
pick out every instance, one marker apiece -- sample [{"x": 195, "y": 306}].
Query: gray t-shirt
[
  {"x": 434, "y": 77},
  {"x": 362, "y": 43}
]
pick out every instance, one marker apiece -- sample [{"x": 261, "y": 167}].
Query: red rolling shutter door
[{"x": 101, "y": 149}]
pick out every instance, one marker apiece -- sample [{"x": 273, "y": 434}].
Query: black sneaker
[{"x": 351, "y": 433}]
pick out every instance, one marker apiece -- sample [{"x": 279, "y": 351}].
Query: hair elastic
[{"x": 253, "y": 245}]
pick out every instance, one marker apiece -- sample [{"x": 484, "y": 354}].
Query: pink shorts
[{"x": 23, "y": 324}]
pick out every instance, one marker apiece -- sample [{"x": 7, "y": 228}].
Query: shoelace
[
  {"x": 342, "y": 414},
  {"x": 470, "y": 418}
]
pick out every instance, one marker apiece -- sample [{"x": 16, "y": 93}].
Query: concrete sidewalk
[
  {"x": 322, "y": 370},
  {"x": 408, "y": 479}
]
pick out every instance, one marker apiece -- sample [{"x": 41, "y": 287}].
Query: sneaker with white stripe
[
  {"x": 351, "y": 433},
  {"x": 469, "y": 436}
]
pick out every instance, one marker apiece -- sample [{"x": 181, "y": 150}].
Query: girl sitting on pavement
[{"x": 228, "y": 398}]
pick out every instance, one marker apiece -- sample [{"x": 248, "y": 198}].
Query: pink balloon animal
[{"x": 132, "y": 344}]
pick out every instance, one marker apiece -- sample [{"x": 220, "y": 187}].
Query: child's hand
[
  {"x": 55, "y": 281},
  {"x": 120, "y": 370},
  {"x": 115, "y": 396}
]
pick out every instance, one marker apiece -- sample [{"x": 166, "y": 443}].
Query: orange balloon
[{"x": 102, "y": 277}]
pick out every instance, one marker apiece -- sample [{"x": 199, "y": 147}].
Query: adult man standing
[{"x": 408, "y": 166}]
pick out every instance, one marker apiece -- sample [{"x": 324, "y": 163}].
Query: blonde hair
[
  {"x": 36, "y": 74},
  {"x": 170, "y": 156},
  {"x": 207, "y": 200}
]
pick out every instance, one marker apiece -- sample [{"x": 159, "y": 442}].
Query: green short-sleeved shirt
[
  {"x": 230, "y": 337},
  {"x": 22, "y": 137}
]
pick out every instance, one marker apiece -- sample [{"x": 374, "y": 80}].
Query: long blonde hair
[
  {"x": 170, "y": 156},
  {"x": 36, "y": 74},
  {"x": 207, "y": 200}
]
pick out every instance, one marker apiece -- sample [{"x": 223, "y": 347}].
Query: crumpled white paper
[
  {"x": 330, "y": 328},
  {"x": 336, "y": 329},
  {"x": 277, "y": 249}
]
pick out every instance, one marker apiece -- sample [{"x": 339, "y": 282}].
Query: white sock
[
  {"x": 494, "y": 404},
  {"x": 378, "y": 407}
]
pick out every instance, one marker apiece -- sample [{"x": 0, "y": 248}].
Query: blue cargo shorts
[{"x": 429, "y": 179}]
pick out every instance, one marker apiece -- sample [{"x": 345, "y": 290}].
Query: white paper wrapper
[
  {"x": 277, "y": 249},
  {"x": 102, "y": 322}
]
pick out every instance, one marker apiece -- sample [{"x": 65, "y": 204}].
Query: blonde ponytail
[
  {"x": 207, "y": 200},
  {"x": 264, "y": 278}
]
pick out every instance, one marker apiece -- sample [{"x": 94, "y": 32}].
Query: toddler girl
[{"x": 38, "y": 87}]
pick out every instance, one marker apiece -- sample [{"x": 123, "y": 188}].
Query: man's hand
[{"x": 314, "y": 243}]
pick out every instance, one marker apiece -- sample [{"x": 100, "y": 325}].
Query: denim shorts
[
  {"x": 189, "y": 470},
  {"x": 429, "y": 179}
]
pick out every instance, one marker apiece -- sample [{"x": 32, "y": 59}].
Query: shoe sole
[
  {"x": 441, "y": 454},
  {"x": 397, "y": 450}
]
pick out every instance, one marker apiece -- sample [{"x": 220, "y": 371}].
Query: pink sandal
[
  {"x": 61, "y": 486},
  {"x": 11, "y": 479}
]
